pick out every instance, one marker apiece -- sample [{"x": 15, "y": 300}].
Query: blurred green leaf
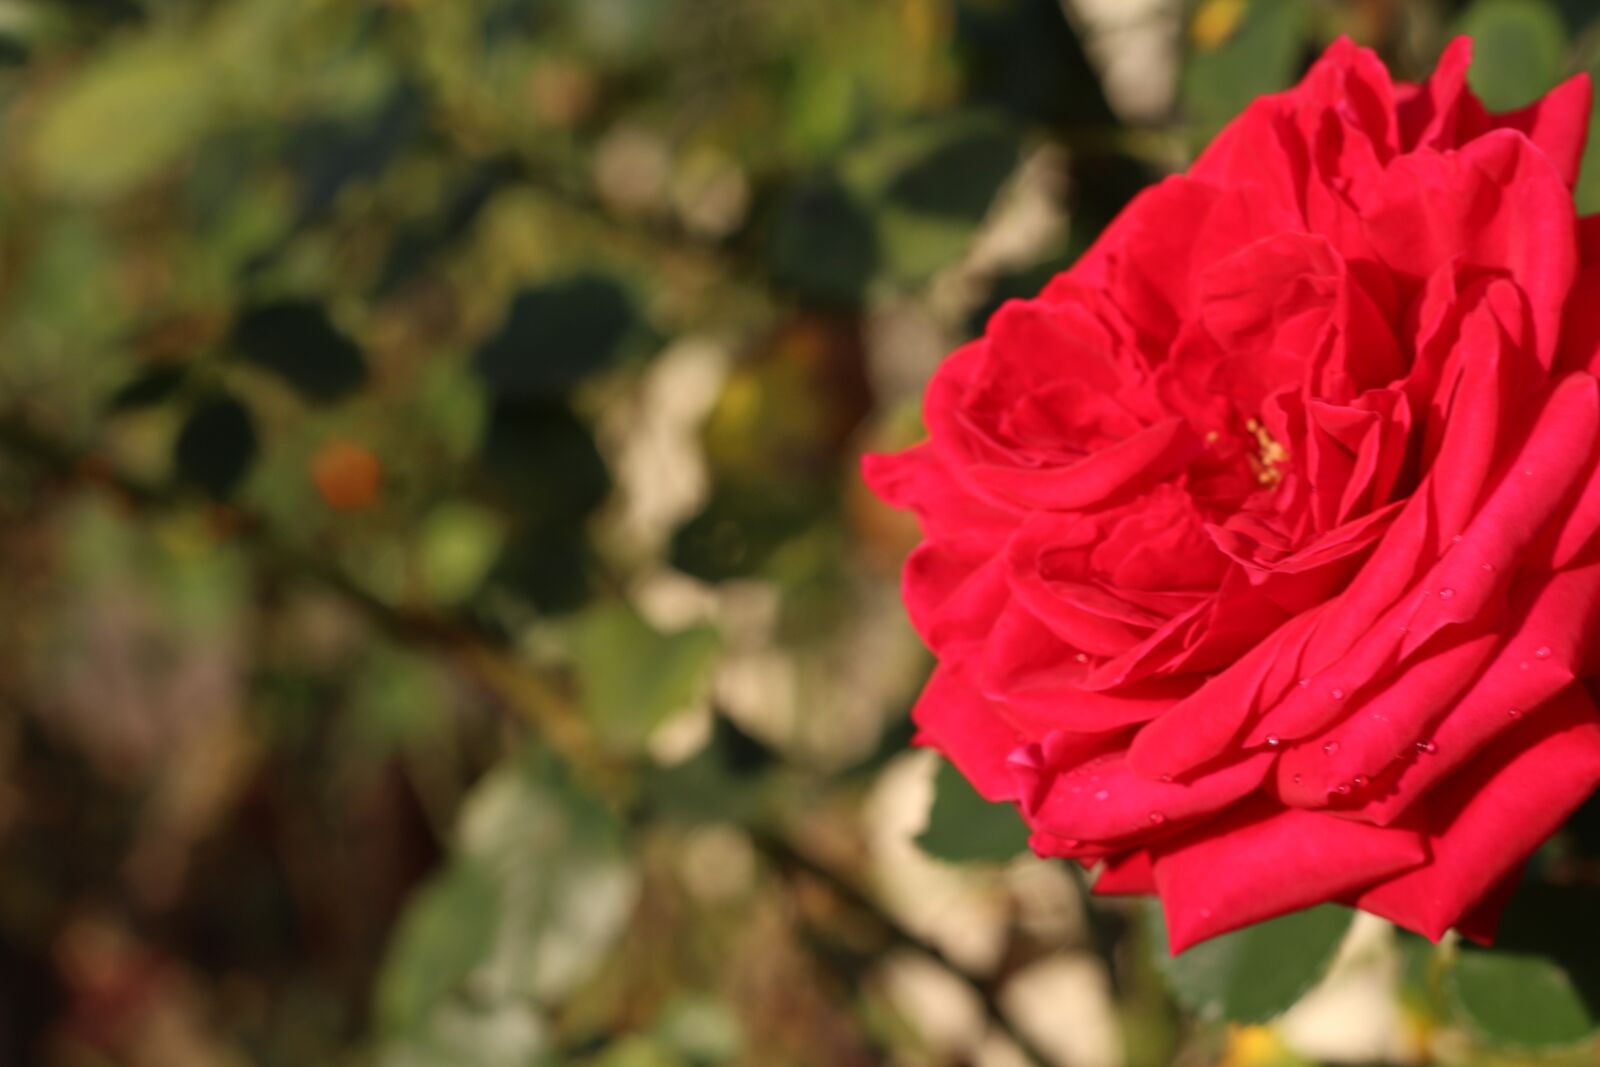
[
  {"x": 124, "y": 119},
  {"x": 557, "y": 334},
  {"x": 1257, "y": 973},
  {"x": 1023, "y": 56},
  {"x": 1518, "y": 50},
  {"x": 823, "y": 244},
  {"x": 216, "y": 446},
  {"x": 446, "y": 933},
  {"x": 964, "y": 827},
  {"x": 633, "y": 676},
  {"x": 959, "y": 175},
  {"x": 535, "y": 894},
  {"x": 1517, "y": 1001},
  {"x": 457, "y": 547},
  {"x": 541, "y": 460},
  {"x": 1260, "y": 55},
  {"x": 298, "y": 342},
  {"x": 149, "y": 388}
]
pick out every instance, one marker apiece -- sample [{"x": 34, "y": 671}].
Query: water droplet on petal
[
  {"x": 1119, "y": 679},
  {"x": 1337, "y": 694},
  {"x": 1331, "y": 747},
  {"x": 1156, "y": 818},
  {"x": 1527, "y": 472},
  {"x": 1360, "y": 781},
  {"x": 1488, "y": 568},
  {"x": 1166, "y": 777},
  {"x": 1082, "y": 657},
  {"x": 1304, "y": 682},
  {"x": 1543, "y": 652},
  {"x": 1070, "y": 842},
  {"x": 1298, "y": 779},
  {"x": 1456, "y": 540},
  {"x": 1404, "y": 628},
  {"x": 1515, "y": 713},
  {"x": 1343, "y": 789},
  {"x": 1273, "y": 740},
  {"x": 1427, "y": 748},
  {"x": 1104, "y": 794},
  {"x": 1446, "y": 594}
]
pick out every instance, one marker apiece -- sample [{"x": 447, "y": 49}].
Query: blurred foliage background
[{"x": 441, "y": 623}]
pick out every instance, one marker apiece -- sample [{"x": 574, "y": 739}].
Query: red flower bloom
[{"x": 1261, "y": 559}]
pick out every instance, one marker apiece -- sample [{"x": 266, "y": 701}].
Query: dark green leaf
[
  {"x": 216, "y": 446},
  {"x": 1518, "y": 50},
  {"x": 1257, "y": 973},
  {"x": 965, "y": 827},
  {"x": 824, "y": 246},
  {"x": 150, "y": 388},
  {"x": 541, "y": 460},
  {"x": 556, "y": 335},
  {"x": 1517, "y": 1001},
  {"x": 1023, "y": 56},
  {"x": 959, "y": 177},
  {"x": 296, "y": 341}
]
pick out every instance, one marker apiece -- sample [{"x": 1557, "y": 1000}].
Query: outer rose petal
[
  {"x": 1493, "y": 813},
  {"x": 1498, "y": 204},
  {"x": 1131, "y": 874},
  {"x": 1262, "y": 863},
  {"x": 961, "y": 725}
]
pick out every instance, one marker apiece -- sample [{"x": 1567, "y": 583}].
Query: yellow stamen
[{"x": 1270, "y": 456}]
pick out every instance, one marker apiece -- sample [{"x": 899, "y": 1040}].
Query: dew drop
[
  {"x": 1298, "y": 779},
  {"x": 1456, "y": 540},
  {"x": 1070, "y": 842},
  {"x": 1360, "y": 781},
  {"x": 1337, "y": 694},
  {"x": 1488, "y": 568},
  {"x": 1331, "y": 747},
  {"x": 1156, "y": 818},
  {"x": 1543, "y": 652},
  {"x": 1427, "y": 748},
  {"x": 1404, "y": 628},
  {"x": 1166, "y": 777},
  {"x": 1446, "y": 594},
  {"x": 1524, "y": 665},
  {"x": 1273, "y": 740},
  {"x": 1515, "y": 713},
  {"x": 1304, "y": 682},
  {"x": 1082, "y": 657},
  {"x": 1527, "y": 472},
  {"x": 1119, "y": 679},
  {"x": 1343, "y": 789},
  {"x": 1104, "y": 794}
]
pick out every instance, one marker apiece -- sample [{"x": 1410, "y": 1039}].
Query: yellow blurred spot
[
  {"x": 348, "y": 476},
  {"x": 1216, "y": 21},
  {"x": 1253, "y": 1046}
]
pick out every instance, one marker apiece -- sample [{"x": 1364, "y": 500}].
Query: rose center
[{"x": 1270, "y": 457}]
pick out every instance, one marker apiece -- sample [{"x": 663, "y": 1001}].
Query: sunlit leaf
[
  {"x": 1518, "y": 50},
  {"x": 633, "y": 676}
]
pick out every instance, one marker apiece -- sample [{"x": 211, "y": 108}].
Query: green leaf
[
  {"x": 1518, "y": 53},
  {"x": 216, "y": 447},
  {"x": 1518, "y": 1001},
  {"x": 964, "y": 827},
  {"x": 298, "y": 342},
  {"x": 556, "y": 335},
  {"x": 123, "y": 120},
  {"x": 633, "y": 676},
  {"x": 1262, "y": 55},
  {"x": 536, "y": 891},
  {"x": 1540, "y": 986},
  {"x": 446, "y": 933},
  {"x": 958, "y": 176},
  {"x": 824, "y": 245},
  {"x": 1256, "y": 973}
]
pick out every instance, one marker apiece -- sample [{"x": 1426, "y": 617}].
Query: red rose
[{"x": 1261, "y": 559}]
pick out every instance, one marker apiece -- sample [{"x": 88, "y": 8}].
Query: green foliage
[
  {"x": 1519, "y": 50},
  {"x": 1232, "y": 65},
  {"x": 963, "y": 826},
  {"x": 1518, "y": 1002},
  {"x": 632, "y": 676},
  {"x": 1258, "y": 973}
]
